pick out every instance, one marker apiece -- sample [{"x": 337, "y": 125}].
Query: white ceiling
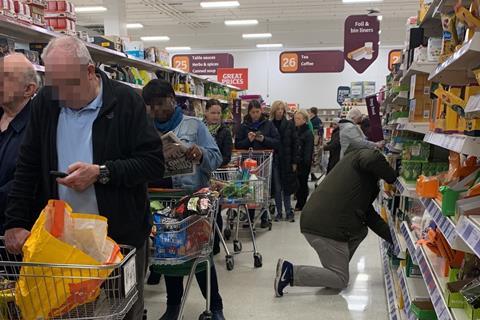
[{"x": 295, "y": 23}]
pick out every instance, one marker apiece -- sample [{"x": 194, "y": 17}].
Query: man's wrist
[{"x": 97, "y": 171}]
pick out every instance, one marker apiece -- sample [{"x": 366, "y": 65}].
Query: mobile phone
[{"x": 58, "y": 174}]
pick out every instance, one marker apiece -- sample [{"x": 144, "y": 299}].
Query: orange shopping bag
[{"x": 52, "y": 281}]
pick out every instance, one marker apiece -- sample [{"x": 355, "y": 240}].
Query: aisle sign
[
  {"x": 343, "y": 93},
  {"x": 356, "y": 91},
  {"x": 312, "y": 61},
  {"x": 394, "y": 57},
  {"x": 202, "y": 64},
  {"x": 237, "y": 77},
  {"x": 376, "y": 130},
  {"x": 361, "y": 41}
]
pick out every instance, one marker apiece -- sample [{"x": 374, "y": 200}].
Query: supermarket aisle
[{"x": 248, "y": 293}]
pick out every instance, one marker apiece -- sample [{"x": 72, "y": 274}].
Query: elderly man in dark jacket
[{"x": 336, "y": 219}]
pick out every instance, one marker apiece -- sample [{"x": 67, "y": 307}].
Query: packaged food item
[
  {"x": 449, "y": 36},
  {"x": 471, "y": 293},
  {"x": 434, "y": 49}
]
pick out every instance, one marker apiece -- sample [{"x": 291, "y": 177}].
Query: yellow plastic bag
[{"x": 61, "y": 237}]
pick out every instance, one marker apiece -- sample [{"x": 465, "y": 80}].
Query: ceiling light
[
  {"x": 256, "y": 35},
  {"x": 380, "y": 18},
  {"x": 155, "y": 38},
  {"x": 379, "y": 31},
  {"x": 134, "y": 26},
  {"x": 360, "y": 1},
  {"x": 219, "y": 4},
  {"x": 90, "y": 9},
  {"x": 269, "y": 45},
  {"x": 178, "y": 49},
  {"x": 241, "y": 22}
]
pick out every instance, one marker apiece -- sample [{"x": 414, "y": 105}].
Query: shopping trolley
[
  {"x": 256, "y": 184},
  {"x": 117, "y": 291},
  {"x": 196, "y": 256}
]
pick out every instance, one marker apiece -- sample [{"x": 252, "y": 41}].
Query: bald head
[{"x": 18, "y": 79}]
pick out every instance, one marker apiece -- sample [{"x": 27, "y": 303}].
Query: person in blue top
[{"x": 160, "y": 97}]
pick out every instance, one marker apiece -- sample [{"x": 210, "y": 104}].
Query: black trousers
[
  {"x": 216, "y": 237},
  {"x": 303, "y": 190},
  {"x": 175, "y": 289}
]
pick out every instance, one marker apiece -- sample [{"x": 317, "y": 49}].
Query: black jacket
[
  {"x": 225, "y": 143},
  {"x": 304, "y": 149},
  {"x": 123, "y": 139},
  {"x": 10, "y": 141},
  {"x": 334, "y": 147},
  {"x": 267, "y": 129},
  {"x": 287, "y": 155},
  {"x": 341, "y": 206}
]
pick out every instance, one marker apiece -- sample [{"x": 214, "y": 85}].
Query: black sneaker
[
  {"x": 218, "y": 315},
  {"x": 284, "y": 277},
  {"x": 265, "y": 224},
  {"x": 291, "y": 219},
  {"x": 277, "y": 218},
  {"x": 171, "y": 313}
]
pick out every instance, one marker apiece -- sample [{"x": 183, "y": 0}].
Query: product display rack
[
  {"x": 463, "y": 233},
  {"x": 30, "y": 33}
]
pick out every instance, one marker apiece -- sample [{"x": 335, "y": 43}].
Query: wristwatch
[{"x": 104, "y": 176}]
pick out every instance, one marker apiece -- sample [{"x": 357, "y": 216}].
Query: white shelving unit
[
  {"x": 410, "y": 240},
  {"x": 393, "y": 312},
  {"x": 418, "y": 127},
  {"x": 406, "y": 189},
  {"x": 399, "y": 243},
  {"x": 457, "y": 70},
  {"x": 418, "y": 68},
  {"x": 455, "y": 142}
]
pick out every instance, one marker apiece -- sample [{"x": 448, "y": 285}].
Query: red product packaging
[
  {"x": 7, "y": 8},
  {"x": 52, "y": 6}
]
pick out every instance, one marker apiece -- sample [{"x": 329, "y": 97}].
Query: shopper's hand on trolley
[
  {"x": 15, "y": 239},
  {"x": 80, "y": 176}
]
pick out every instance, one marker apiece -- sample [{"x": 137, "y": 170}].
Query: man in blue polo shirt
[{"x": 18, "y": 83}]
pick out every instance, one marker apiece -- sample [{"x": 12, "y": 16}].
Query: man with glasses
[{"x": 97, "y": 132}]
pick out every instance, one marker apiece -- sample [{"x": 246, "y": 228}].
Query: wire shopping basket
[{"x": 114, "y": 287}]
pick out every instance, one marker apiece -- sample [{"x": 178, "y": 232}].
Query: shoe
[
  {"x": 265, "y": 224},
  {"x": 218, "y": 315},
  {"x": 154, "y": 277},
  {"x": 277, "y": 218},
  {"x": 291, "y": 218},
  {"x": 171, "y": 313},
  {"x": 284, "y": 277}
]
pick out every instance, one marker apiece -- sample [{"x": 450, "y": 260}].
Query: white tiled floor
[{"x": 248, "y": 293}]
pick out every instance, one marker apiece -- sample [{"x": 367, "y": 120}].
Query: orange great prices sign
[{"x": 237, "y": 77}]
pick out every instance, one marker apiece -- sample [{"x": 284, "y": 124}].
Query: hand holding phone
[{"x": 58, "y": 174}]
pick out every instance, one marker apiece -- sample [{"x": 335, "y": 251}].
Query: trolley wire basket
[{"x": 108, "y": 290}]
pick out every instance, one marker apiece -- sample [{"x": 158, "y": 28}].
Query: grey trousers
[
  {"x": 335, "y": 257},
  {"x": 136, "y": 312}
]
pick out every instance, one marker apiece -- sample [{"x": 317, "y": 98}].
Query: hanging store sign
[
  {"x": 325, "y": 61},
  {"x": 237, "y": 77},
  {"x": 376, "y": 132},
  {"x": 202, "y": 64},
  {"x": 361, "y": 41},
  {"x": 342, "y": 94},
  {"x": 394, "y": 57}
]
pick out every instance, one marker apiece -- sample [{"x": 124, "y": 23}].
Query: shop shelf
[
  {"x": 445, "y": 225},
  {"x": 431, "y": 22},
  {"x": 401, "y": 98},
  {"x": 31, "y": 33},
  {"x": 393, "y": 312},
  {"x": 457, "y": 70},
  {"x": 412, "y": 289},
  {"x": 399, "y": 243},
  {"x": 455, "y": 142},
  {"x": 430, "y": 266},
  {"x": 418, "y": 127},
  {"x": 410, "y": 240},
  {"x": 399, "y": 121},
  {"x": 468, "y": 228},
  {"x": 406, "y": 189},
  {"x": 418, "y": 68}
]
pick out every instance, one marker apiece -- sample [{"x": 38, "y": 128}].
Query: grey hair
[
  {"x": 31, "y": 76},
  {"x": 304, "y": 113},
  {"x": 72, "y": 45},
  {"x": 354, "y": 113}
]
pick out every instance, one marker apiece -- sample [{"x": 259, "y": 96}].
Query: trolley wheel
[
  {"x": 227, "y": 233},
  {"x": 237, "y": 246},
  {"x": 258, "y": 260},
  {"x": 269, "y": 225},
  {"x": 230, "y": 262},
  {"x": 206, "y": 315}
]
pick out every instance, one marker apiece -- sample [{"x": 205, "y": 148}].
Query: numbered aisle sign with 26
[{"x": 324, "y": 61}]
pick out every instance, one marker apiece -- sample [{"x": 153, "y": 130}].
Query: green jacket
[{"x": 341, "y": 207}]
